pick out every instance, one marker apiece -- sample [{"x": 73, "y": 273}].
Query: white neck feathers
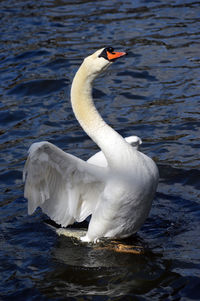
[
  {"x": 89, "y": 118},
  {"x": 82, "y": 103}
]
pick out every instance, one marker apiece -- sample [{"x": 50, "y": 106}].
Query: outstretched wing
[{"x": 64, "y": 186}]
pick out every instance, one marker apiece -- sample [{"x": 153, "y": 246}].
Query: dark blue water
[{"x": 153, "y": 93}]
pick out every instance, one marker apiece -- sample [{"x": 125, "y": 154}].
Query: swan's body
[{"x": 116, "y": 186}]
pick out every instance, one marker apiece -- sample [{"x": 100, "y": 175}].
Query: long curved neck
[
  {"x": 82, "y": 103},
  {"x": 89, "y": 118}
]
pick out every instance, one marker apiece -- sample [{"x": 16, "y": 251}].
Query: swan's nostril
[{"x": 109, "y": 54}]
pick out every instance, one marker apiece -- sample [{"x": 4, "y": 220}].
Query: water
[{"x": 153, "y": 93}]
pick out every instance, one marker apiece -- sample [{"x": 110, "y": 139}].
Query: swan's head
[{"x": 101, "y": 59}]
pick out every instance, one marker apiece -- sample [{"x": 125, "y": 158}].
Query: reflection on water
[
  {"x": 103, "y": 272},
  {"x": 153, "y": 93}
]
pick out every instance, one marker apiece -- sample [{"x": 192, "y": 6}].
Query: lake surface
[{"x": 153, "y": 93}]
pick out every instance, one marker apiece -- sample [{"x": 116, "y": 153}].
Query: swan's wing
[
  {"x": 134, "y": 141},
  {"x": 99, "y": 158},
  {"x": 64, "y": 186}
]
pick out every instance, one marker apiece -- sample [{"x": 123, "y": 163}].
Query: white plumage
[{"x": 116, "y": 186}]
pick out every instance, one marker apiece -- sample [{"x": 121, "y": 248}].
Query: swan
[{"x": 116, "y": 186}]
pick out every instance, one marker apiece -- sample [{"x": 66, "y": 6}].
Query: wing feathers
[{"x": 65, "y": 187}]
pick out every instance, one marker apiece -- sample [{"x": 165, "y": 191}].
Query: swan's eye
[
  {"x": 109, "y": 54},
  {"x": 105, "y": 52},
  {"x": 110, "y": 49}
]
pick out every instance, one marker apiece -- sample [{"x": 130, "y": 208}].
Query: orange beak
[{"x": 114, "y": 55}]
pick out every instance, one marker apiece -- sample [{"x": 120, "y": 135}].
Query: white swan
[{"x": 116, "y": 186}]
